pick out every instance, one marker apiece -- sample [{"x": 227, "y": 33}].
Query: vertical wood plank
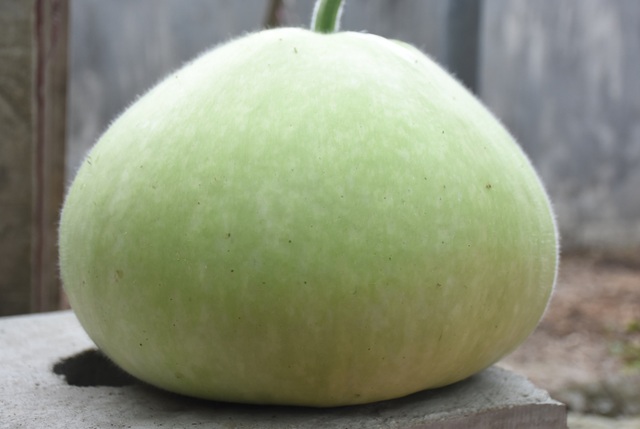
[
  {"x": 33, "y": 40},
  {"x": 15, "y": 155},
  {"x": 50, "y": 89}
]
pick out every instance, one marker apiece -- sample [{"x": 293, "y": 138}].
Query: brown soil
[{"x": 586, "y": 350}]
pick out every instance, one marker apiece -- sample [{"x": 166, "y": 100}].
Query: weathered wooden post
[{"x": 33, "y": 70}]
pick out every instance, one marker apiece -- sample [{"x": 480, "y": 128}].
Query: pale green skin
[{"x": 308, "y": 219}]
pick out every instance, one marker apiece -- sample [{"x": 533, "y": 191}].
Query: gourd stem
[{"x": 326, "y": 16}]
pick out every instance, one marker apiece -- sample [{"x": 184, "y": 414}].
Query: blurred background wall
[{"x": 564, "y": 76}]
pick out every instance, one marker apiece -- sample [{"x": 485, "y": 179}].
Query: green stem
[{"x": 326, "y": 16}]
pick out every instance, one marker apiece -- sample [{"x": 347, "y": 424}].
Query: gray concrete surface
[{"x": 32, "y": 396}]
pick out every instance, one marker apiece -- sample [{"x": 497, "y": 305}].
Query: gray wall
[
  {"x": 119, "y": 48},
  {"x": 562, "y": 75}
]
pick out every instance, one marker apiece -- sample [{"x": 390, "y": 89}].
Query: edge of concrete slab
[{"x": 32, "y": 396}]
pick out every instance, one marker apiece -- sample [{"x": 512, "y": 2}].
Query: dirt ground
[{"x": 586, "y": 350}]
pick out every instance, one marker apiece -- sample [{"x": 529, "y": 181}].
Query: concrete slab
[{"x": 33, "y": 396}]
